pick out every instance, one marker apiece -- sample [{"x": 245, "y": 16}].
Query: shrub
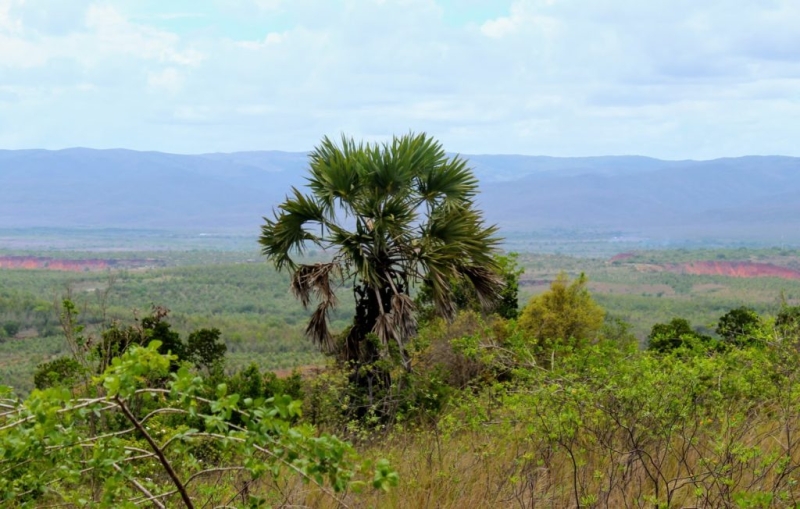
[
  {"x": 566, "y": 313},
  {"x": 61, "y": 372},
  {"x": 678, "y": 334}
]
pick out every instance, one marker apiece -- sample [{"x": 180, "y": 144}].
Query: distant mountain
[
  {"x": 748, "y": 197},
  {"x": 125, "y": 189},
  {"x": 744, "y": 198}
]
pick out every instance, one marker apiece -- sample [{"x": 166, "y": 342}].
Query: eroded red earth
[
  {"x": 90, "y": 264},
  {"x": 716, "y": 268},
  {"x": 734, "y": 269}
]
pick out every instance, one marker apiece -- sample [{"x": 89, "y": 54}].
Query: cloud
[
  {"x": 6, "y": 23},
  {"x": 524, "y": 16},
  {"x": 269, "y": 5},
  {"x": 104, "y": 34},
  {"x": 169, "y": 80},
  {"x": 674, "y": 78},
  {"x": 117, "y": 36},
  {"x": 52, "y": 18}
]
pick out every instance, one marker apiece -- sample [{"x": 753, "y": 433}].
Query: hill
[{"x": 747, "y": 198}]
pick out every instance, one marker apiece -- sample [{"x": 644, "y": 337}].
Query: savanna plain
[{"x": 633, "y": 409}]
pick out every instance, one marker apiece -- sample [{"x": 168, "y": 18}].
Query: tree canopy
[
  {"x": 566, "y": 312},
  {"x": 675, "y": 335},
  {"x": 740, "y": 326}
]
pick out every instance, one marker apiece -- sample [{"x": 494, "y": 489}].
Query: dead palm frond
[
  {"x": 488, "y": 284},
  {"x": 403, "y": 319},
  {"x": 315, "y": 280},
  {"x": 318, "y": 329}
]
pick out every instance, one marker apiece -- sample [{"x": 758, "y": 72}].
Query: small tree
[
  {"x": 56, "y": 451},
  {"x": 205, "y": 350},
  {"x": 739, "y": 326},
  {"x": 507, "y": 304},
  {"x": 677, "y": 334},
  {"x": 11, "y": 329},
  {"x": 62, "y": 371},
  {"x": 787, "y": 322},
  {"x": 565, "y": 313}
]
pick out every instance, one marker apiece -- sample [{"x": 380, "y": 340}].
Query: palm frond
[
  {"x": 437, "y": 275},
  {"x": 335, "y": 173},
  {"x": 288, "y": 231},
  {"x": 452, "y": 183},
  {"x": 315, "y": 280},
  {"x": 487, "y": 283},
  {"x": 384, "y": 328},
  {"x": 459, "y": 234},
  {"x": 318, "y": 330},
  {"x": 402, "y": 314}
]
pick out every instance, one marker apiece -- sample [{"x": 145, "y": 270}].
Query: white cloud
[
  {"x": 106, "y": 34},
  {"x": 272, "y": 39},
  {"x": 7, "y": 22},
  {"x": 169, "y": 80},
  {"x": 524, "y": 17},
  {"x": 115, "y": 35},
  {"x": 268, "y": 5},
  {"x": 17, "y": 52},
  {"x": 676, "y": 78},
  {"x": 500, "y": 27}
]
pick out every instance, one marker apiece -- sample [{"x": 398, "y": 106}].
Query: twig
[
  {"x": 278, "y": 458},
  {"x": 164, "y": 462},
  {"x": 152, "y": 498}
]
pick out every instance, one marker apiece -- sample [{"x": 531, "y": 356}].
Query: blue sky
[{"x": 673, "y": 79}]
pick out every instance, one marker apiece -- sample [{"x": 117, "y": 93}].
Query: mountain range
[{"x": 745, "y": 198}]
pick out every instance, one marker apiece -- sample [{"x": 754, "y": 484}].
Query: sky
[{"x": 674, "y": 79}]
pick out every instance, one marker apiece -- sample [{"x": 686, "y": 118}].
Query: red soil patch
[
  {"x": 92, "y": 264},
  {"x": 622, "y": 257},
  {"x": 733, "y": 269}
]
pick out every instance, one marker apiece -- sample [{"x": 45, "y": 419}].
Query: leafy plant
[
  {"x": 57, "y": 449},
  {"x": 740, "y": 326},
  {"x": 678, "y": 334},
  {"x": 565, "y": 314}
]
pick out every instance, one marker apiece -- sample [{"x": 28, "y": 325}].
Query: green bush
[
  {"x": 61, "y": 372},
  {"x": 676, "y": 335}
]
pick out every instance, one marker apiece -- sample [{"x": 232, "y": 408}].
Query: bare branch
[
  {"x": 164, "y": 461},
  {"x": 145, "y": 491}
]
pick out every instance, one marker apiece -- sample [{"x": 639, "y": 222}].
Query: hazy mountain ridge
[{"x": 746, "y": 196}]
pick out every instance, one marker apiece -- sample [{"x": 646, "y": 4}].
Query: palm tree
[{"x": 393, "y": 215}]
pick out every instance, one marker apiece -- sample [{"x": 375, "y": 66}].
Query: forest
[{"x": 398, "y": 358}]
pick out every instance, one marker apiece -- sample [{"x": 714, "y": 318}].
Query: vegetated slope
[
  {"x": 747, "y": 198},
  {"x": 249, "y": 302}
]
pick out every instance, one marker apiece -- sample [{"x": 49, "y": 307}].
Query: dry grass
[
  {"x": 497, "y": 467},
  {"x": 616, "y": 432}
]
